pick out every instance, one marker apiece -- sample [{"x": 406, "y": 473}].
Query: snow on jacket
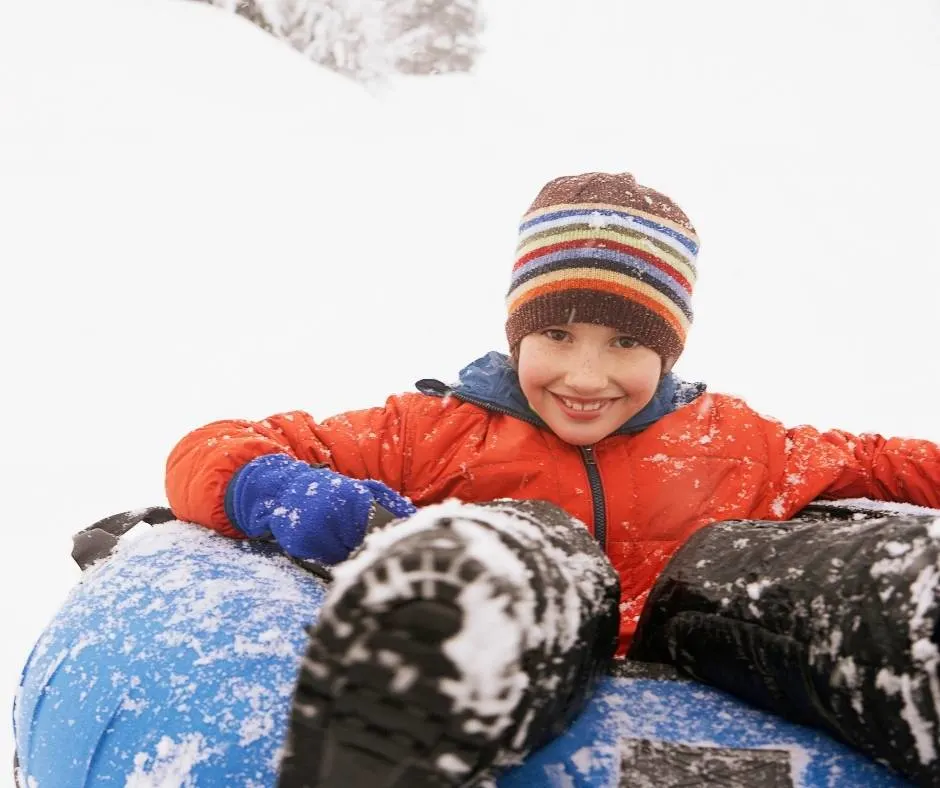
[{"x": 688, "y": 459}]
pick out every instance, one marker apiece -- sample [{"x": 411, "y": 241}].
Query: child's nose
[{"x": 586, "y": 377}]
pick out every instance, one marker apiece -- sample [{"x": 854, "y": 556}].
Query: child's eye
[
  {"x": 555, "y": 334},
  {"x": 626, "y": 342}
]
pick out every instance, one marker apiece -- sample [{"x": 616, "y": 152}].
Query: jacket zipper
[
  {"x": 494, "y": 408},
  {"x": 590, "y": 463},
  {"x": 597, "y": 495}
]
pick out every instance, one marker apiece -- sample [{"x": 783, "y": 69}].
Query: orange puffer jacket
[{"x": 712, "y": 459}]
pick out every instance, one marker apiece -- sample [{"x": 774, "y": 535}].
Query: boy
[{"x": 585, "y": 414}]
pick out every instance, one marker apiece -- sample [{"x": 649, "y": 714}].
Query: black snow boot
[
  {"x": 451, "y": 644},
  {"x": 830, "y": 624}
]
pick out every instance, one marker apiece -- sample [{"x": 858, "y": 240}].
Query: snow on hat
[{"x": 600, "y": 248}]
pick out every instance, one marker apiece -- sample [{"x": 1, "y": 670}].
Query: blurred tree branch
[{"x": 370, "y": 39}]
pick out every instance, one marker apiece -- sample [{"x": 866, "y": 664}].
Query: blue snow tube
[{"x": 173, "y": 662}]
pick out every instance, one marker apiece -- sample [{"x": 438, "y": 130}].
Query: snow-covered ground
[{"x": 196, "y": 223}]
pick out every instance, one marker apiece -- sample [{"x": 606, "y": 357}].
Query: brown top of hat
[{"x": 610, "y": 188}]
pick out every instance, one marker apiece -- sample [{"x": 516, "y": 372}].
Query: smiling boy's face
[{"x": 585, "y": 381}]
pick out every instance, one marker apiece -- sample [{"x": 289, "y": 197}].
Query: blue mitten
[{"x": 310, "y": 512}]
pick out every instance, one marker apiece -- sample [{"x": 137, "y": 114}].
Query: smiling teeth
[{"x": 583, "y": 405}]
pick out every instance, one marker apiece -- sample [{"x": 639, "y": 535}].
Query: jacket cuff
[{"x": 229, "y": 502}]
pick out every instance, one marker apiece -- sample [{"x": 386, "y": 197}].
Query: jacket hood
[{"x": 492, "y": 382}]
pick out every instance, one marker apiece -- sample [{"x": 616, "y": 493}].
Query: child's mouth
[{"x": 582, "y": 410}]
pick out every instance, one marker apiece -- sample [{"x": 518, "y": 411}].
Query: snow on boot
[
  {"x": 832, "y": 625},
  {"x": 451, "y": 644}
]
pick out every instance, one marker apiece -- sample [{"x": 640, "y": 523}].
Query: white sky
[{"x": 197, "y": 224}]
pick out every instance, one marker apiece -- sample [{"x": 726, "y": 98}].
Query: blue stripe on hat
[
  {"x": 587, "y": 214},
  {"x": 630, "y": 264}
]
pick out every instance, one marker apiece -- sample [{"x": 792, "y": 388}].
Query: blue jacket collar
[{"x": 492, "y": 383}]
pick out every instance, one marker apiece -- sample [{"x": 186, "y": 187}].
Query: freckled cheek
[
  {"x": 538, "y": 374},
  {"x": 531, "y": 388},
  {"x": 639, "y": 394},
  {"x": 642, "y": 382},
  {"x": 644, "y": 385}
]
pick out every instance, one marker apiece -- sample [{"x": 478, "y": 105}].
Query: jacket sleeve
[
  {"x": 808, "y": 464},
  {"x": 887, "y": 469},
  {"x": 366, "y": 444}
]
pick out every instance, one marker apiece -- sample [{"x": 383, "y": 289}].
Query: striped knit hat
[{"x": 600, "y": 248}]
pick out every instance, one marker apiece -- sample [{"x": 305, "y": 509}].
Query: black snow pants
[{"x": 829, "y": 623}]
